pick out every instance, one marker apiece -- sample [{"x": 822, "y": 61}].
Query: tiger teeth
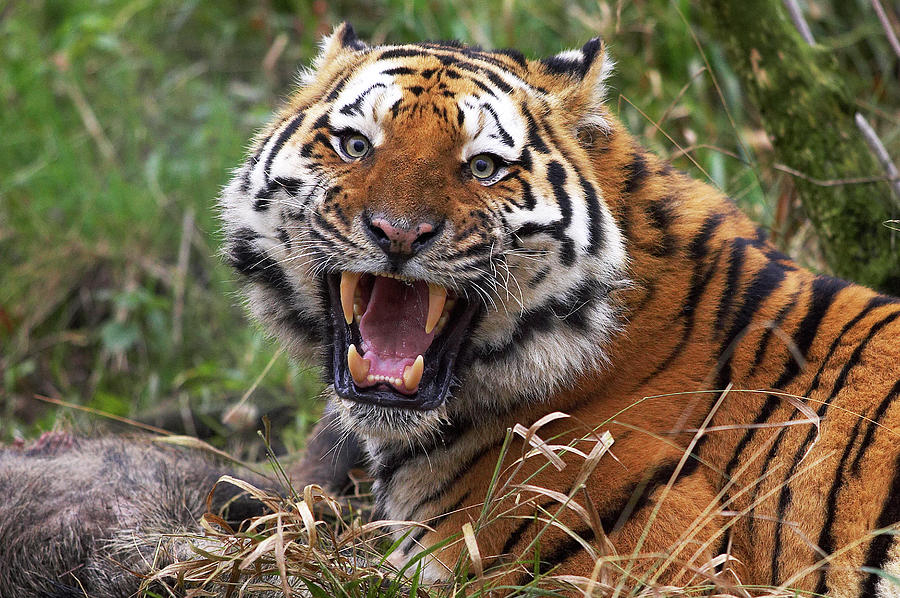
[
  {"x": 359, "y": 367},
  {"x": 437, "y": 297},
  {"x": 398, "y": 277},
  {"x": 439, "y": 305},
  {"x": 382, "y": 378},
  {"x": 412, "y": 374},
  {"x": 349, "y": 281}
]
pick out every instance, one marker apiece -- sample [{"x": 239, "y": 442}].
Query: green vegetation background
[{"x": 120, "y": 120}]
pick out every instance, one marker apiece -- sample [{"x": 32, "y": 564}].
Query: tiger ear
[
  {"x": 342, "y": 39},
  {"x": 579, "y": 80}
]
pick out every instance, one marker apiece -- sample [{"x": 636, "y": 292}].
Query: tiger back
[{"x": 467, "y": 240}]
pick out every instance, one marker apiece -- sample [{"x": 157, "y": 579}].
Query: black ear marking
[
  {"x": 591, "y": 50},
  {"x": 349, "y": 39},
  {"x": 574, "y": 62}
]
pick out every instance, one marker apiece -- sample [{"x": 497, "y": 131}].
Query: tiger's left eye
[
  {"x": 356, "y": 145},
  {"x": 483, "y": 166}
]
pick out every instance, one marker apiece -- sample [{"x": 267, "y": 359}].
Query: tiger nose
[{"x": 400, "y": 242}]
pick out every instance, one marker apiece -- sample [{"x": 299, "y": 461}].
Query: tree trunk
[{"x": 808, "y": 114}]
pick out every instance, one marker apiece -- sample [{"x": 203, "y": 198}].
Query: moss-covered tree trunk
[{"x": 808, "y": 114}]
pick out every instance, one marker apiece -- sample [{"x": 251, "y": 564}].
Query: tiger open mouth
[{"x": 396, "y": 339}]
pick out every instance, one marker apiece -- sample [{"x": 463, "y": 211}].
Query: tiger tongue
[{"x": 393, "y": 326}]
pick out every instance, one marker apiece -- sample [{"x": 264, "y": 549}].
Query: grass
[{"x": 307, "y": 543}]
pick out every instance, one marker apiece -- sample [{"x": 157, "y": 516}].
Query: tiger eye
[
  {"x": 356, "y": 145},
  {"x": 482, "y": 166}
]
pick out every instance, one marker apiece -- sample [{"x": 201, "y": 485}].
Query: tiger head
[{"x": 425, "y": 218}]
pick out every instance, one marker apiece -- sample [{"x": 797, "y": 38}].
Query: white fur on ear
[
  {"x": 595, "y": 116},
  {"x": 587, "y": 68},
  {"x": 343, "y": 38}
]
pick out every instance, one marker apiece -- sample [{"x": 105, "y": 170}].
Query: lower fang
[
  {"x": 412, "y": 374},
  {"x": 359, "y": 367}
]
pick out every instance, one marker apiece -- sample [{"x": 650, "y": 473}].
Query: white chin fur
[{"x": 388, "y": 424}]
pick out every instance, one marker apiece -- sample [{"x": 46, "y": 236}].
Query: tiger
[
  {"x": 471, "y": 240},
  {"x": 521, "y": 312}
]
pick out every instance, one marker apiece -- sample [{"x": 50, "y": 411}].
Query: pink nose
[{"x": 400, "y": 242}]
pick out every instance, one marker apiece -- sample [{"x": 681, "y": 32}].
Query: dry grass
[{"x": 311, "y": 544}]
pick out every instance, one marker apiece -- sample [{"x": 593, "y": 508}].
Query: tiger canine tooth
[
  {"x": 359, "y": 367},
  {"x": 412, "y": 374},
  {"x": 349, "y": 280},
  {"x": 437, "y": 296}
]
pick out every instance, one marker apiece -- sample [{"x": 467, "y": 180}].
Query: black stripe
[
  {"x": 283, "y": 236},
  {"x": 449, "y": 481},
  {"x": 402, "y": 53},
  {"x": 775, "y": 400},
  {"x": 872, "y": 426},
  {"x": 254, "y": 160},
  {"x": 569, "y": 310},
  {"x": 826, "y": 537},
  {"x": 565, "y": 549},
  {"x": 764, "y": 283},
  {"x": 402, "y": 70},
  {"x": 539, "y": 277},
  {"x": 700, "y": 278},
  {"x": 777, "y": 321},
  {"x": 417, "y": 536},
  {"x": 784, "y": 498},
  {"x": 323, "y": 122},
  {"x": 636, "y": 171},
  {"x": 482, "y": 70},
  {"x": 350, "y": 40},
  {"x": 447, "y": 434},
  {"x": 515, "y": 55},
  {"x": 877, "y": 554},
  {"x": 638, "y": 495},
  {"x": 822, "y": 295},
  {"x": 500, "y": 83},
  {"x": 874, "y": 303},
  {"x": 556, "y": 176},
  {"x": 505, "y": 137},
  {"x": 528, "y": 196},
  {"x": 524, "y": 161},
  {"x": 596, "y": 239},
  {"x": 252, "y": 262},
  {"x": 354, "y": 106},
  {"x": 484, "y": 88},
  {"x": 291, "y": 186},
  {"x": 282, "y": 138},
  {"x": 333, "y": 231},
  {"x": 735, "y": 265},
  {"x": 531, "y": 229},
  {"x": 535, "y": 140},
  {"x": 524, "y": 524},
  {"x": 662, "y": 214}
]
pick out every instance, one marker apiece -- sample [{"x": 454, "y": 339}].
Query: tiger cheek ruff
[{"x": 467, "y": 240}]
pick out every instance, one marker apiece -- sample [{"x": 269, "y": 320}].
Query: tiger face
[{"x": 423, "y": 218}]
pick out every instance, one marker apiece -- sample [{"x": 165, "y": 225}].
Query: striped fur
[{"x": 606, "y": 277}]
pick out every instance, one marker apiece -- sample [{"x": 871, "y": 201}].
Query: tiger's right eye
[{"x": 356, "y": 145}]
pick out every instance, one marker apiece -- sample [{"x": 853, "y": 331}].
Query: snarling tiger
[
  {"x": 477, "y": 242},
  {"x": 469, "y": 240}
]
